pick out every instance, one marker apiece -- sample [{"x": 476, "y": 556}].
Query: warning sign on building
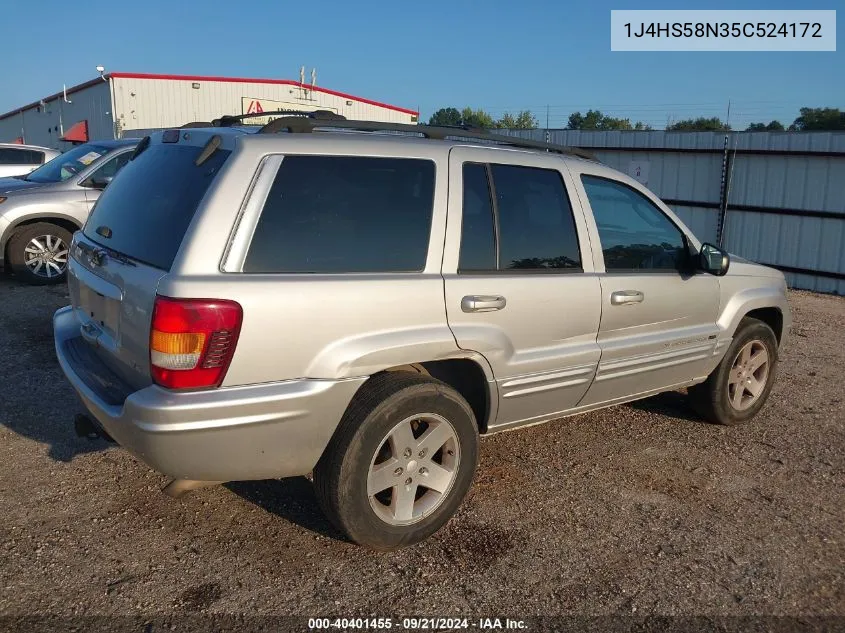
[{"x": 251, "y": 105}]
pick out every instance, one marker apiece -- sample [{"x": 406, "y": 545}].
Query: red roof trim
[{"x": 286, "y": 82}]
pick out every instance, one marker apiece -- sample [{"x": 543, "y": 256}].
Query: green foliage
[
  {"x": 701, "y": 124},
  {"x": 477, "y": 118},
  {"x": 595, "y": 120},
  {"x": 523, "y": 120},
  {"x": 819, "y": 119},
  {"x": 772, "y": 126},
  {"x": 445, "y": 116}
]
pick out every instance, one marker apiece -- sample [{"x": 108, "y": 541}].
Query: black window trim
[
  {"x": 491, "y": 191},
  {"x": 686, "y": 270}
]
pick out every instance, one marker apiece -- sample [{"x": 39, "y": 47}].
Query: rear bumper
[{"x": 260, "y": 431}]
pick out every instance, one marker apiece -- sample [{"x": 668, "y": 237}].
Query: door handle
[
  {"x": 482, "y": 303},
  {"x": 621, "y": 297}
]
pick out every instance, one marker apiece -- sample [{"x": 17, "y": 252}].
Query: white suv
[{"x": 18, "y": 160}]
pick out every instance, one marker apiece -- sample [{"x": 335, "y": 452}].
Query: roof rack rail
[
  {"x": 229, "y": 120},
  {"x": 300, "y": 125}
]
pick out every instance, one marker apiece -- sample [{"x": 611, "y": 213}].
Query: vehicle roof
[
  {"x": 387, "y": 139},
  {"x": 22, "y": 146},
  {"x": 114, "y": 143}
]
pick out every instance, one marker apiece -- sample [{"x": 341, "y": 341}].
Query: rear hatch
[{"x": 130, "y": 242}]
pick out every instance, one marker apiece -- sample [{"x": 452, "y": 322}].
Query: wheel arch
[
  {"x": 768, "y": 304},
  {"x": 66, "y": 222},
  {"x": 470, "y": 376}
]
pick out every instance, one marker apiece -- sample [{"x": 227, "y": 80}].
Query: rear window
[
  {"x": 148, "y": 207},
  {"x": 341, "y": 214}
]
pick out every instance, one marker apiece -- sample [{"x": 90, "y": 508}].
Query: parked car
[
  {"x": 18, "y": 160},
  {"x": 364, "y": 306},
  {"x": 40, "y": 211}
]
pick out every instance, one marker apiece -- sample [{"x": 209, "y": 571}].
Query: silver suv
[
  {"x": 40, "y": 211},
  {"x": 365, "y": 306}
]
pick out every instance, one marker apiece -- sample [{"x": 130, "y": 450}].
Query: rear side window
[
  {"x": 536, "y": 227},
  {"x": 340, "y": 214},
  {"x": 13, "y": 156},
  {"x": 147, "y": 209}
]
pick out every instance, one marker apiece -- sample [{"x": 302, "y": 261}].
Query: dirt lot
[{"x": 639, "y": 509}]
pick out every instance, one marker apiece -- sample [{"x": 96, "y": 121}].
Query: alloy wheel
[
  {"x": 413, "y": 469},
  {"x": 46, "y": 256}
]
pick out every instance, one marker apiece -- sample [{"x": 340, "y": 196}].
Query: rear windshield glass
[{"x": 148, "y": 206}]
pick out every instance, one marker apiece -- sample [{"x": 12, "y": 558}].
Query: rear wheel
[
  {"x": 400, "y": 462},
  {"x": 38, "y": 253},
  {"x": 738, "y": 388}
]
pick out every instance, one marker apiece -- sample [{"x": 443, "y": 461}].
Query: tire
[
  {"x": 716, "y": 398},
  {"x": 56, "y": 243},
  {"x": 367, "y": 438}
]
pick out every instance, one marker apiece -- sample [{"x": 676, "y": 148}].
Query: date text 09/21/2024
[{"x": 430, "y": 624}]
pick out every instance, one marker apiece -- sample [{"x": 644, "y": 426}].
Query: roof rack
[
  {"x": 301, "y": 125},
  {"x": 301, "y": 122},
  {"x": 229, "y": 120}
]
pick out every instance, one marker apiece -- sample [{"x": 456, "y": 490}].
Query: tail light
[{"x": 192, "y": 341}]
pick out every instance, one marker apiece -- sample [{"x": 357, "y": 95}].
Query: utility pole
[{"x": 548, "y": 135}]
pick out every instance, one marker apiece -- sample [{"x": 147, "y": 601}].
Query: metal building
[
  {"x": 777, "y": 198},
  {"x": 118, "y": 105}
]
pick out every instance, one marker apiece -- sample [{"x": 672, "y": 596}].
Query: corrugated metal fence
[{"x": 785, "y": 191}]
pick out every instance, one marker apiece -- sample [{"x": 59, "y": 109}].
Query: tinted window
[
  {"x": 634, "y": 233},
  {"x": 150, "y": 206},
  {"x": 536, "y": 226},
  {"x": 14, "y": 156},
  {"x": 110, "y": 168},
  {"x": 338, "y": 214},
  {"x": 478, "y": 241}
]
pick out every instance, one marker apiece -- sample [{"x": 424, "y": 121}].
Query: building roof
[{"x": 120, "y": 75}]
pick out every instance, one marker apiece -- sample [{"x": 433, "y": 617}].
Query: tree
[
  {"x": 595, "y": 120},
  {"x": 701, "y": 124},
  {"x": 819, "y": 119},
  {"x": 523, "y": 120},
  {"x": 476, "y": 118},
  {"x": 772, "y": 126},
  {"x": 445, "y": 116}
]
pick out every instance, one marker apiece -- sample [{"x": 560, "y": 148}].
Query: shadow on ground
[
  {"x": 672, "y": 404},
  {"x": 292, "y": 499},
  {"x": 36, "y": 400}
]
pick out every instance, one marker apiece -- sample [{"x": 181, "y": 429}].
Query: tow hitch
[{"x": 89, "y": 429}]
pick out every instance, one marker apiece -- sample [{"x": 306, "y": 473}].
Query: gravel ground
[{"x": 639, "y": 510}]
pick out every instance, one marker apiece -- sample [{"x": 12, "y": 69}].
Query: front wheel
[
  {"x": 38, "y": 253},
  {"x": 739, "y": 387},
  {"x": 400, "y": 462}
]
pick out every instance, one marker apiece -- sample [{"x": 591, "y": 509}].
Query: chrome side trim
[
  {"x": 510, "y": 426},
  {"x": 547, "y": 381},
  {"x": 651, "y": 362}
]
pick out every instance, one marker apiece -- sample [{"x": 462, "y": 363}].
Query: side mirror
[
  {"x": 99, "y": 182},
  {"x": 713, "y": 260}
]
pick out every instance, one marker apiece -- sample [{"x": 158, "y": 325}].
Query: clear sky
[{"x": 496, "y": 55}]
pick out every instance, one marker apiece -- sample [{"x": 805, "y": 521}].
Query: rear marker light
[{"x": 192, "y": 341}]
